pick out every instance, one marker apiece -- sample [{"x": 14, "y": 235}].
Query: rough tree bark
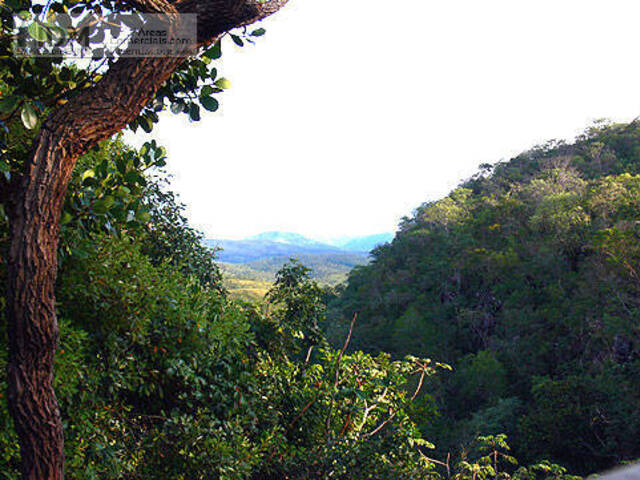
[{"x": 35, "y": 206}]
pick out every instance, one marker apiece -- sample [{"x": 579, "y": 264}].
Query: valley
[{"x": 249, "y": 266}]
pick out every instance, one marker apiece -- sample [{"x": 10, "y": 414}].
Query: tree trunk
[
  {"x": 90, "y": 116},
  {"x": 34, "y": 214},
  {"x": 31, "y": 318}
]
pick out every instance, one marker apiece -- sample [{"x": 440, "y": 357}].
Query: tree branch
[
  {"x": 337, "y": 379},
  {"x": 98, "y": 112},
  {"x": 90, "y": 116},
  {"x": 394, "y": 412}
]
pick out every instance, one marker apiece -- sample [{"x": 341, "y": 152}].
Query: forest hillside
[{"x": 525, "y": 280}]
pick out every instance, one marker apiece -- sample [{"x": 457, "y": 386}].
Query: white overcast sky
[{"x": 348, "y": 114}]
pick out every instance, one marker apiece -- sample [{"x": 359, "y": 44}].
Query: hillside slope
[{"x": 526, "y": 280}]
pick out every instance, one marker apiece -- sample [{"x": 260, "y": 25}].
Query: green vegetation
[
  {"x": 56, "y": 108},
  {"x": 160, "y": 375},
  {"x": 119, "y": 336},
  {"x": 245, "y": 289},
  {"x": 525, "y": 280}
]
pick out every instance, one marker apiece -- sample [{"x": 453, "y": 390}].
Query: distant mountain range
[
  {"x": 249, "y": 266},
  {"x": 362, "y": 244},
  {"x": 286, "y": 238},
  {"x": 269, "y": 245}
]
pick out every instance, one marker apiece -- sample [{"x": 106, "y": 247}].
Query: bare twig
[
  {"x": 394, "y": 412},
  {"x": 420, "y": 382},
  {"x": 438, "y": 462},
  {"x": 368, "y": 410},
  {"x": 346, "y": 425},
  {"x": 309, "y": 352},
  {"x": 337, "y": 377},
  {"x": 306, "y": 407},
  {"x": 382, "y": 425}
]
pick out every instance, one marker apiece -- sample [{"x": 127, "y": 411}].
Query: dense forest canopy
[{"x": 525, "y": 280}]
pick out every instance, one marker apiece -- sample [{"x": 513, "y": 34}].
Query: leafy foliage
[
  {"x": 159, "y": 375},
  {"x": 525, "y": 280},
  {"x": 31, "y": 86}
]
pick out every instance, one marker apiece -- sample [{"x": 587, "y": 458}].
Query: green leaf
[
  {"x": 146, "y": 124},
  {"x": 108, "y": 201},
  {"x": 8, "y": 104},
  {"x": 88, "y": 174},
  {"x": 29, "y": 117},
  {"x": 215, "y": 52},
  {"x": 209, "y": 103},
  {"x": 237, "y": 40},
  {"x": 177, "y": 107},
  {"x": 143, "y": 217},
  {"x": 66, "y": 218},
  {"x": 223, "y": 83},
  {"x": 258, "y": 32},
  {"x": 38, "y": 32},
  {"x": 133, "y": 177},
  {"x": 5, "y": 170},
  {"x": 194, "y": 112},
  {"x": 103, "y": 205}
]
